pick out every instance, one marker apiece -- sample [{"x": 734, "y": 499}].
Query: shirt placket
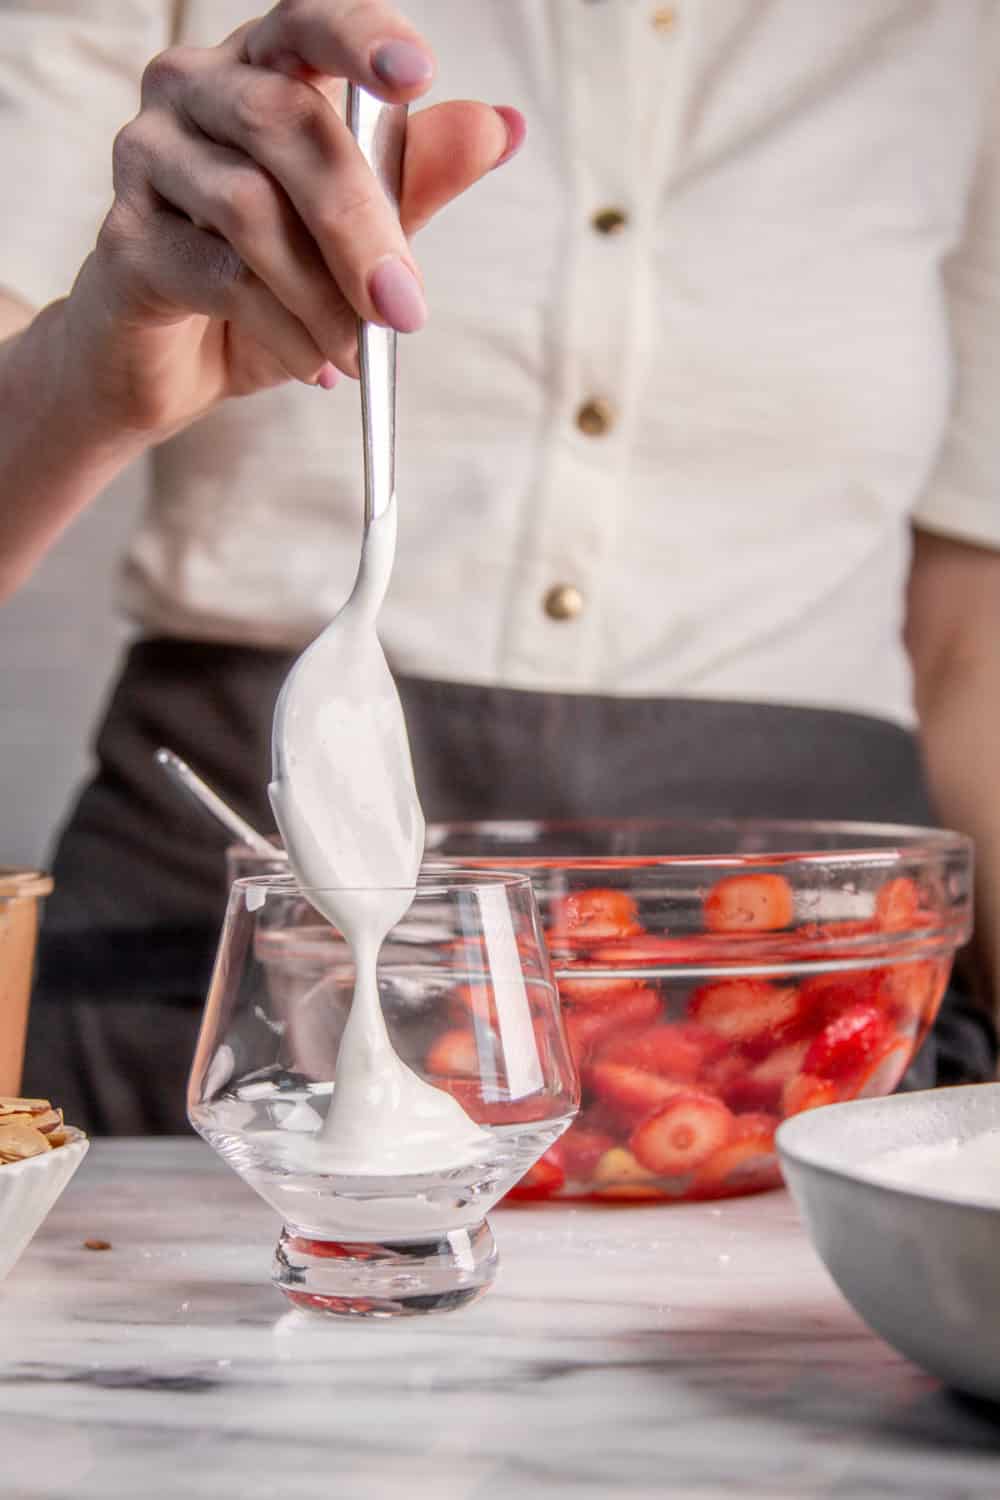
[{"x": 615, "y": 62}]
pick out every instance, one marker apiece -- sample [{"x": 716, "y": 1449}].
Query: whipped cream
[
  {"x": 967, "y": 1169},
  {"x": 347, "y": 808}
]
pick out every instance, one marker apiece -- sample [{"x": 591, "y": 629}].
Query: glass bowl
[
  {"x": 392, "y": 1219},
  {"x": 717, "y": 977}
]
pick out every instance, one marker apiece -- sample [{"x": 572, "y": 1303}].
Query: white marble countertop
[{"x": 684, "y": 1351}]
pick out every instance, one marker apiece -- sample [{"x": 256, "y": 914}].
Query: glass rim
[
  {"x": 432, "y": 879},
  {"x": 858, "y": 842}
]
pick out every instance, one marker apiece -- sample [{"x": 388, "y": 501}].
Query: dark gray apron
[{"x": 129, "y": 932}]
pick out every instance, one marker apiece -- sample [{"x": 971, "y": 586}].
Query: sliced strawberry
[
  {"x": 631, "y": 1092},
  {"x": 728, "y": 1077},
  {"x": 581, "y": 1149},
  {"x": 454, "y": 1054},
  {"x": 897, "y": 905},
  {"x": 648, "y": 949},
  {"x": 627, "y": 1000},
  {"x": 913, "y": 990},
  {"x": 543, "y": 1180},
  {"x": 618, "y": 1175},
  {"x": 317, "y": 1302},
  {"x": 823, "y": 997},
  {"x": 474, "y": 1000},
  {"x": 583, "y": 1031},
  {"x": 883, "y": 1073},
  {"x": 587, "y": 1029},
  {"x": 598, "y": 992},
  {"x": 747, "y": 1159},
  {"x": 469, "y": 1093},
  {"x": 781, "y": 1064},
  {"x": 470, "y": 953},
  {"x": 758, "y": 903},
  {"x": 747, "y": 1011},
  {"x": 331, "y": 1249},
  {"x": 710, "y": 1044},
  {"x": 848, "y": 1044},
  {"x": 807, "y": 1092},
  {"x": 662, "y": 1049},
  {"x": 599, "y": 1117},
  {"x": 737, "y": 1087},
  {"x": 836, "y": 932},
  {"x": 594, "y": 916},
  {"x": 759, "y": 1088},
  {"x": 681, "y": 1135},
  {"x": 758, "y": 1127}
]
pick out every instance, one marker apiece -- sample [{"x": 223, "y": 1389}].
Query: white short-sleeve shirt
[{"x": 697, "y": 359}]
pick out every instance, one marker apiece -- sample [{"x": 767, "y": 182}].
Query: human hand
[{"x": 247, "y": 233}]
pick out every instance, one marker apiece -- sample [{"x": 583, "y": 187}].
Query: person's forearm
[
  {"x": 953, "y": 636},
  {"x": 960, "y": 727},
  {"x": 58, "y": 448}
]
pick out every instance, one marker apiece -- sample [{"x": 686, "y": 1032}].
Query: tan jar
[{"x": 21, "y": 893}]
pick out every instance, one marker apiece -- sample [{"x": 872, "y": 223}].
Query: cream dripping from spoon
[{"x": 344, "y": 796}]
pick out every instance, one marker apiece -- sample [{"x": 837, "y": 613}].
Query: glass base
[{"x": 398, "y": 1279}]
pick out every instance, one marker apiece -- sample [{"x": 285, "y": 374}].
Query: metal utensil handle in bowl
[
  {"x": 209, "y": 800},
  {"x": 380, "y": 131}
]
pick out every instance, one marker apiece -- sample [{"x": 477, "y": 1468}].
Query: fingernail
[
  {"x": 328, "y": 377},
  {"x": 402, "y": 65},
  {"x": 516, "y": 127},
  {"x": 397, "y": 296}
]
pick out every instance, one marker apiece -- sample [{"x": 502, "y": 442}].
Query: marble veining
[{"x": 691, "y": 1351}]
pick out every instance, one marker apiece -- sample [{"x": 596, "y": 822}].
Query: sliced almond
[
  {"x": 19, "y": 1141},
  {"x": 9, "y": 1105}
]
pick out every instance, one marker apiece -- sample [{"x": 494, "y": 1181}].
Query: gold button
[
  {"x": 595, "y": 417},
  {"x": 610, "y": 220},
  {"x": 563, "y": 602},
  {"x": 664, "y": 18}
]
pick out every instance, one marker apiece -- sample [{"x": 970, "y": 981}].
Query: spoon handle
[
  {"x": 380, "y": 131},
  {"x": 191, "y": 783}
]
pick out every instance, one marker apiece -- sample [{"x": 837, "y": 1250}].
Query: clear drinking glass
[{"x": 470, "y": 1005}]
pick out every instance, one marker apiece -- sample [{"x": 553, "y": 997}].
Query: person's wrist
[{"x": 103, "y": 386}]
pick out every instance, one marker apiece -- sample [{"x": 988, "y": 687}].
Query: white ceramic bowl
[
  {"x": 921, "y": 1267},
  {"x": 28, "y": 1190}
]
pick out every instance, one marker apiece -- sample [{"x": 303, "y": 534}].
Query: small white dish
[
  {"x": 921, "y": 1267},
  {"x": 28, "y": 1190}
]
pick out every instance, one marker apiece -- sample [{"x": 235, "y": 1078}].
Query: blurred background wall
[{"x": 59, "y": 643}]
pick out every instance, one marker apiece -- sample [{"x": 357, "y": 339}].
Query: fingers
[
  {"x": 251, "y": 180},
  {"x": 219, "y": 189},
  {"x": 449, "y": 147},
  {"x": 164, "y": 261},
  {"x": 292, "y": 131},
  {"x": 369, "y": 43}
]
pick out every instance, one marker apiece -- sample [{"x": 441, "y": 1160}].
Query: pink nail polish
[
  {"x": 397, "y": 296},
  {"x": 517, "y": 129},
  {"x": 402, "y": 65},
  {"x": 328, "y": 377}
]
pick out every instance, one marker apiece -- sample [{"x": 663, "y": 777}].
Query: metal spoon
[
  {"x": 200, "y": 792},
  {"x": 338, "y": 723},
  {"x": 380, "y": 131}
]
